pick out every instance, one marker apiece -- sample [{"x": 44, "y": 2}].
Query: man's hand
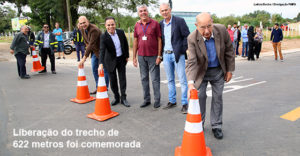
[
  {"x": 228, "y": 76},
  {"x": 190, "y": 87},
  {"x": 81, "y": 63},
  {"x": 158, "y": 60},
  {"x": 100, "y": 68},
  {"x": 134, "y": 62},
  {"x": 12, "y": 51}
]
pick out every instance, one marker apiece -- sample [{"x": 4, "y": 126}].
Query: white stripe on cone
[
  {"x": 193, "y": 127},
  {"x": 101, "y": 82},
  {"x": 102, "y": 95},
  {"x": 35, "y": 59},
  {"x": 81, "y": 72},
  {"x": 194, "y": 107},
  {"x": 33, "y": 53},
  {"x": 81, "y": 83}
]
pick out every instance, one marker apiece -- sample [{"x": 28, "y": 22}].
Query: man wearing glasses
[
  {"x": 47, "y": 43},
  {"x": 211, "y": 59}
]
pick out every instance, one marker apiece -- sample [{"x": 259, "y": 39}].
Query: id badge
[{"x": 144, "y": 38}]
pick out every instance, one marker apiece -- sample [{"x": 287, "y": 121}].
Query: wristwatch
[{"x": 160, "y": 57}]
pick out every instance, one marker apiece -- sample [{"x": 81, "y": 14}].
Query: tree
[
  {"x": 18, "y": 3},
  {"x": 276, "y": 18},
  {"x": 6, "y": 14},
  {"x": 298, "y": 17}
]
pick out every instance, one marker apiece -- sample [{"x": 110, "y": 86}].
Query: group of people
[
  {"x": 252, "y": 39},
  {"x": 208, "y": 49}
]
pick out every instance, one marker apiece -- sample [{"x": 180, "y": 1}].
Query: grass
[{"x": 6, "y": 39}]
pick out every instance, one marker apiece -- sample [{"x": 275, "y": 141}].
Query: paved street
[{"x": 259, "y": 94}]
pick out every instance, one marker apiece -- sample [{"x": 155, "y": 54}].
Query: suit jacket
[
  {"x": 197, "y": 57},
  {"x": 179, "y": 34},
  {"x": 108, "y": 51},
  {"x": 91, "y": 40}
]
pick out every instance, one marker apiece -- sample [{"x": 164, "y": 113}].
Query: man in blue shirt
[
  {"x": 276, "y": 38},
  {"x": 211, "y": 59},
  {"x": 174, "y": 39},
  {"x": 245, "y": 41},
  {"x": 58, "y": 33}
]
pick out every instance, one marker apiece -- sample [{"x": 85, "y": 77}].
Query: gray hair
[
  {"x": 167, "y": 4},
  {"x": 23, "y": 27},
  {"x": 142, "y": 6}
]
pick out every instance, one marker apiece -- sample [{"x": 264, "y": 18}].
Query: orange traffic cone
[
  {"x": 102, "y": 106},
  {"x": 36, "y": 63},
  {"x": 83, "y": 95},
  {"x": 193, "y": 142}
]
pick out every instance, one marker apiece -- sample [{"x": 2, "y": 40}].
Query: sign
[
  {"x": 17, "y": 23},
  {"x": 189, "y": 17}
]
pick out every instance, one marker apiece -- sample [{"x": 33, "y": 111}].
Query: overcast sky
[{"x": 236, "y": 7}]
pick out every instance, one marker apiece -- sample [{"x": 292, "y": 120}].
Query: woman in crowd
[
  {"x": 251, "y": 35},
  {"x": 258, "y": 38}
]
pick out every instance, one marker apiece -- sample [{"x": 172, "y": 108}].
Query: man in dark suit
[
  {"x": 211, "y": 59},
  {"x": 114, "y": 56},
  {"x": 174, "y": 45}
]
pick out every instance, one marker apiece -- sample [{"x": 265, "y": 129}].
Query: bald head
[
  {"x": 203, "y": 17},
  {"x": 83, "y": 22},
  {"x": 204, "y": 24}
]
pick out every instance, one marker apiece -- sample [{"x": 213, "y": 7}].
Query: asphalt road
[{"x": 259, "y": 94}]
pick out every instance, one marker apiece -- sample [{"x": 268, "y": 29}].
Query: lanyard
[{"x": 146, "y": 28}]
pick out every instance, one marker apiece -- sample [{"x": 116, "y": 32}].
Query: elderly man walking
[
  {"x": 211, "y": 59},
  {"x": 174, "y": 42}
]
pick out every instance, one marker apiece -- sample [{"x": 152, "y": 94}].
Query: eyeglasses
[
  {"x": 205, "y": 27},
  {"x": 46, "y": 27}
]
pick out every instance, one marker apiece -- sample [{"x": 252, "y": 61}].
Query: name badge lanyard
[{"x": 145, "y": 37}]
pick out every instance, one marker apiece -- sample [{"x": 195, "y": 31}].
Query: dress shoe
[
  {"x": 145, "y": 104},
  {"x": 125, "y": 103},
  {"x": 25, "y": 77},
  {"x": 156, "y": 104},
  {"x": 43, "y": 71},
  {"x": 184, "y": 109},
  {"x": 170, "y": 105},
  {"x": 58, "y": 58},
  {"x": 115, "y": 102},
  {"x": 217, "y": 133},
  {"x": 53, "y": 72},
  {"x": 94, "y": 92}
]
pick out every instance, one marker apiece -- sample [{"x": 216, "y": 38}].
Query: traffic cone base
[
  {"x": 83, "y": 101},
  {"x": 178, "y": 151},
  {"x": 102, "y": 117}
]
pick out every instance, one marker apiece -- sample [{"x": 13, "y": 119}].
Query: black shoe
[
  {"x": 43, "y": 71},
  {"x": 94, "y": 92},
  {"x": 53, "y": 72},
  {"x": 184, "y": 109},
  {"x": 217, "y": 133},
  {"x": 115, "y": 102},
  {"x": 145, "y": 104},
  {"x": 58, "y": 58},
  {"x": 25, "y": 77},
  {"x": 125, "y": 103},
  {"x": 156, "y": 104},
  {"x": 170, "y": 105},
  {"x": 64, "y": 58}
]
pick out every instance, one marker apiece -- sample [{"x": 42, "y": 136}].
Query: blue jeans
[
  {"x": 245, "y": 49},
  {"x": 80, "y": 47},
  {"x": 95, "y": 65},
  {"x": 170, "y": 65}
]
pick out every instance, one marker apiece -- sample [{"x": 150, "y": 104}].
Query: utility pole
[{"x": 69, "y": 14}]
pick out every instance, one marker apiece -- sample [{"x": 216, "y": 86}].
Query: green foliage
[{"x": 6, "y": 14}]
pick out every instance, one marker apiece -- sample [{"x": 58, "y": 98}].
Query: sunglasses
[{"x": 46, "y": 27}]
